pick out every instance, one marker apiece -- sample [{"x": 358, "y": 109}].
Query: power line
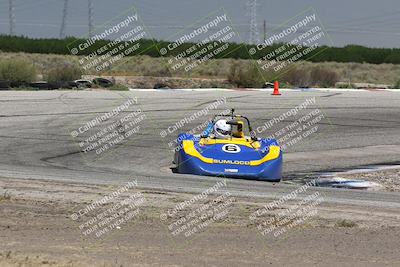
[
  {"x": 368, "y": 19},
  {"x": 64, "y": 20},
  {"x": 32, "y": 5}
]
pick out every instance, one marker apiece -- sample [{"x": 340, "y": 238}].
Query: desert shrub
[
  {"x": 155, "y": 70},
  {"x": 19, "y": 70},
  {"x": 323, "y": 77},
  {"x": 64, "y": 73},
  {"x": 298, "y": 77},
  {"x": 344, "y": 85},
  {"x": 235, "y": 74},
  {"x": 245, "y": 76},
  {"x": 5, "y": 197},
  {"x": 118, "y": 87},
  {"x": 397, "y": 85},
  {"x": 346, "y": 223},
  {"x": 304, "y": 76}
]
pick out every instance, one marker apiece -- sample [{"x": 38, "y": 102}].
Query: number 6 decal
[{"x": 231, "y": 148}]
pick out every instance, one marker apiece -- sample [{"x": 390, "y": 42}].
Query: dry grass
[
  {"x": 17, "y": 69},
  {"x": 221, "y": 68},
  {"x": 346, "y": 223},
  {"x": 5, "y": 196},
  {"x": 64, "y": 72}
]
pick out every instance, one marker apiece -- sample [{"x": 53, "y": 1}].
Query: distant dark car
[{"x": 103, "y": 82}]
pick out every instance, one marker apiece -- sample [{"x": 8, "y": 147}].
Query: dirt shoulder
[{"x": 42, "y": 224}]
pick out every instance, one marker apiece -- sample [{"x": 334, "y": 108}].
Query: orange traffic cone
[{"x": 276, "y": 88}]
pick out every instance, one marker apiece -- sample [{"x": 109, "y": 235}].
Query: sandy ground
[{"x": 37, "y": 229}]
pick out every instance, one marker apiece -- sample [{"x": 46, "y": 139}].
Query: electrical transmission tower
[
  {"x": 254, "y": 36},
  {"x": 90, "y": 5},
  {"x": 64, "y": 19},
  {"x": 12, "y": 17}
]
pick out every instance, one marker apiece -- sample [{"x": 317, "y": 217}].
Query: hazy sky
[{"x": 365, "y": 22}]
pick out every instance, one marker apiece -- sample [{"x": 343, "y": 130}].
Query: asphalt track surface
[{"x": 358, "y": 128}]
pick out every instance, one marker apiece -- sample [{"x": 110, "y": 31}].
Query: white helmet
[{"x": 222, "y": 129}]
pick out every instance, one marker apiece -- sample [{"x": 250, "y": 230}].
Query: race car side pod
[{"x": 276, "y": 88}]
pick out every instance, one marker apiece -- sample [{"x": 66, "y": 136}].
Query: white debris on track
[{"x": 388, "y": 179}]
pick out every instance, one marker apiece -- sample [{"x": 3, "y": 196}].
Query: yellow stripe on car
[
  {"x": 273, "y": 153},
  {"x": 189, "y": 148}
]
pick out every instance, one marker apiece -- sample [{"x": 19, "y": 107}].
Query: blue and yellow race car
[{"x": 224, "y": 150}]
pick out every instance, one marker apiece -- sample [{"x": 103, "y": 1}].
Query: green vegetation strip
[{"x": 350, "y": 53}]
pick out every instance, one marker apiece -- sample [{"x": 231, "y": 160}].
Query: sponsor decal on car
[
  {"x": 227, "y": 161},
  {"x": 231, "y": 170}
]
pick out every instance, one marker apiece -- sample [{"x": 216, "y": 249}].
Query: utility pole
[
  {"x": 12, "y": 17},
  {"x": 254, "y": 37},
  {"x": 265, "y": 31},
  {"x": 64, "y": 20},
  {"x": 90, "y": 6}
]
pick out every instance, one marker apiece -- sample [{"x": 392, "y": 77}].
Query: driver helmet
[{"x": 222, "y": 129}]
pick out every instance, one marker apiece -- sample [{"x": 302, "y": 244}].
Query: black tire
[
  {"x": 16, "y": 84},
  {"x": 40, "y": 85},
  {"x": 55, "y": 85},
  {"x": 161, "y": 86},
  {"x": 4, "y": 85},
  {"x": 72, "y": 85}
]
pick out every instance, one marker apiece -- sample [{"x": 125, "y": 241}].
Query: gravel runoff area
[{"x": 388, "y": 179}]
